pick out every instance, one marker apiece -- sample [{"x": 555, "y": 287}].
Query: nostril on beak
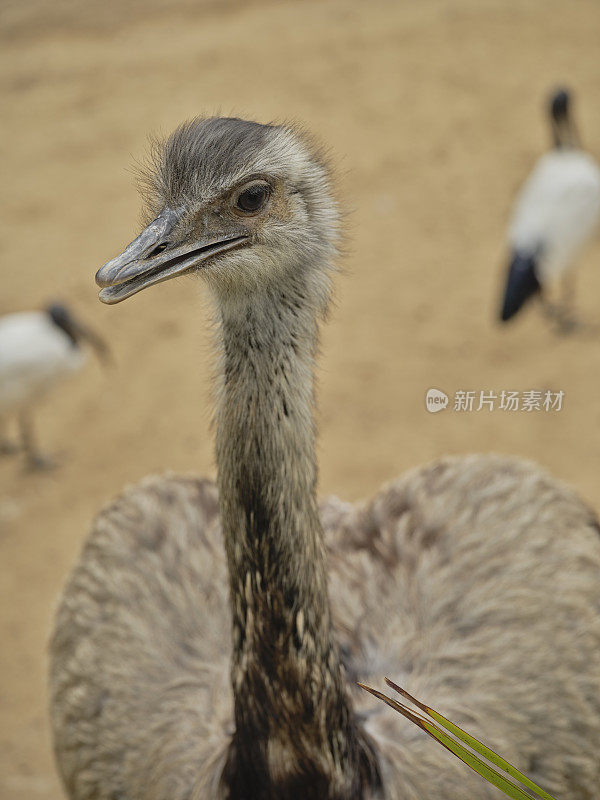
[{"x": 158, "y": 249}]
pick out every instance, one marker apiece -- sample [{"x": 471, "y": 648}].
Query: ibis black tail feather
[{"x": 522, "y": 283}]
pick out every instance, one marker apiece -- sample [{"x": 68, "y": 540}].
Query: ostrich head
[{"x": 247, "y": 206}]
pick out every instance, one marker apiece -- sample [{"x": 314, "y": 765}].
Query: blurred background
[{"x": 434, "y": 113}]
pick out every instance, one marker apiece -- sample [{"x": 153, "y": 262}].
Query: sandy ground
[{"x": 433, "y": 113}]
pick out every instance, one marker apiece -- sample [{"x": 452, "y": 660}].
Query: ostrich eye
[{"x": 253, "y": 197}]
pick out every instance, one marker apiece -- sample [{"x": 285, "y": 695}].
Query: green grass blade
[
  {"x": 466, "y": 756},
  {"x": 470, "y": 759},
  {"x": 473, "y": 743},
  {"x": 485, "y": 770}
]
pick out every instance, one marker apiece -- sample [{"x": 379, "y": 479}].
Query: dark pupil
[{"x": 252, "y": 199}]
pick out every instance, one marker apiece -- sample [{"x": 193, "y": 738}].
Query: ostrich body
[
  {"x": 208, "y": 642},
  {"x": 555, "y": 215},
  {"x": 38, "y": 349}
]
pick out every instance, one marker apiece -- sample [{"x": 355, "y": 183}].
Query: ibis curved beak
[
  {"x": 152, "y": 257},
  {"x": 96, "y": 342}
]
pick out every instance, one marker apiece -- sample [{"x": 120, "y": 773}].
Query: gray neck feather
[{"x": 291, "y": 704}]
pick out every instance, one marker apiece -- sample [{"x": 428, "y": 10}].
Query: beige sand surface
[{"x": 433, "y": 111}]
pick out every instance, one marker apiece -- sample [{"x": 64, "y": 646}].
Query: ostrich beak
[{"x": 153, "y": 257}]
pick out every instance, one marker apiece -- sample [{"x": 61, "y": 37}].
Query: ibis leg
[
  {"x": 7, "y": 448},
  {"x": 35, "y": 459}
]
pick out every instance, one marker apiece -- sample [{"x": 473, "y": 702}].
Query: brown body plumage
[{"x": 474, "y": 582}]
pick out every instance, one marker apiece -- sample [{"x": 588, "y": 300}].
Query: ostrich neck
[{"x": 290, "y": 701}]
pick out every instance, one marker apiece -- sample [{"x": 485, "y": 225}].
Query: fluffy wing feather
[{"x": 473, "y": 582}]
